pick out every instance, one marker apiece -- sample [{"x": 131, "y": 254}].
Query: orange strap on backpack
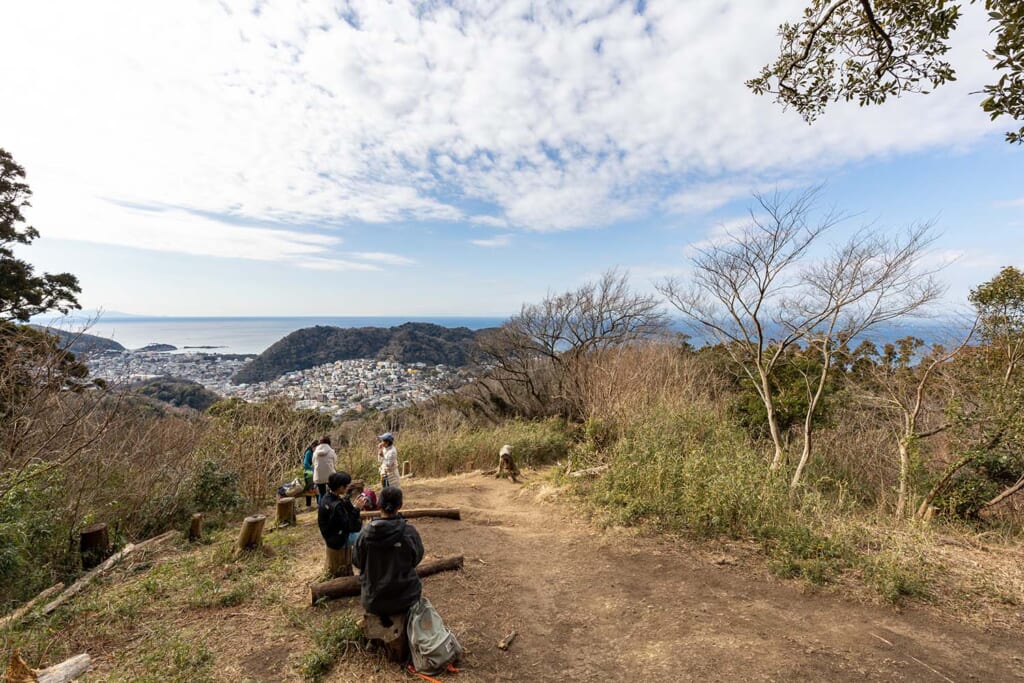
[{"x": 450, "y": 669}]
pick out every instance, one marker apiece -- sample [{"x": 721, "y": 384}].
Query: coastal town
[{"x": 337, "y": 388}]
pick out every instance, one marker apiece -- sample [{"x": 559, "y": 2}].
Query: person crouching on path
[
  {"x": 324, "y": 464},
  {"x": 387, "y": 456},
  {"x": 386, "y": 554},
  {"x": 337, "y": 518}
]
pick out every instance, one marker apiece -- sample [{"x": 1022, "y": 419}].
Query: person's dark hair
[
  {"x": 339, "y": 480},
  {"x": 391, "y": 500},
  {"x": 326, "y": 440},
  {"x": 312, "y": 446}
]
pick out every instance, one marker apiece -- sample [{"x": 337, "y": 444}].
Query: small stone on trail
[{"x": 727, "y": 559}]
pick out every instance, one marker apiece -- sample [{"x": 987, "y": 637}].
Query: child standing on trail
[
  {"x": 324, "y": 464},
  {"x": 387, "y": 456}
]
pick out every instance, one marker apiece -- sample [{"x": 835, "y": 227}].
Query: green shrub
[
  {"x": 30, "y": 537},
  {"x": 331, "y": 641},
  {"x": 689, "y": 471},
  {"x": 216, "y": 490},
  {"x": 797, "y": 551},
  {"x": 894, "y": 576}
]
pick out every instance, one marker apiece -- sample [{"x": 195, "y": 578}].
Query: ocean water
[{"x": 239, "y": 335}]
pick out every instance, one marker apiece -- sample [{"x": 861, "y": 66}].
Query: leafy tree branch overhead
[{"x": 870, "y": 50}]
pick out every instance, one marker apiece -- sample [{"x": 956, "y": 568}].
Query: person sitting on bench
[
  {"x": 337, "y": 518},
  {"x": 386, "y": 554}
]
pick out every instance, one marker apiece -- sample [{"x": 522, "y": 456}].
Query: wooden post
[
  {"x": 286, "y": 512},
  {"x": 195, "y": 529},
  {"x": 407, "y": 468},
  {"x": 339, "y": 562},
  {"x": 348, "y": 586},
  {"x": 94, "y": 544},
  {"x": 251, "y": 535},
  {"x": 395, "y": 639}
]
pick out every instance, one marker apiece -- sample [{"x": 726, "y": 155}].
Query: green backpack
[{"x": 433, "y": 647}]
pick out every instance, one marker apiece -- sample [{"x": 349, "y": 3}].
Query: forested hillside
[{"x": 408, "y": 343}]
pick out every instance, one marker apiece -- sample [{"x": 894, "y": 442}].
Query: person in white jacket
[
  {"x": 325, "y": 462},
  {"x": 387, "y": 456}
]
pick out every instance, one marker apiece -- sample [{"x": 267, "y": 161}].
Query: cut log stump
[
  {"x": 251, "y": 535},
  {"x": 348, "y": 586},
  {"x": 195, "y": 528},
  {"x": 394, "y": 637},
  {"x": 94, "y": 545},
  {"x": 339, "y": 562},
  {"x": 286, "y": 511},
  {"x": 407, "y": 468}
]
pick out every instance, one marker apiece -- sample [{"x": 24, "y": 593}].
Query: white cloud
[
  {"x": 383, "y": 257},
  {"x": 287, "y": 112},
  {"x": 1009, "y": 204},
  {"x": 494, "y": 242}
]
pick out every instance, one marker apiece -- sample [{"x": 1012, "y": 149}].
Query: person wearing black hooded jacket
[
  {"x": 337, "y": 518},
  {"x": 386, "y": 554}
]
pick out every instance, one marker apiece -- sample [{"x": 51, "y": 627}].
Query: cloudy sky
[{"x": 414, "y": 158}]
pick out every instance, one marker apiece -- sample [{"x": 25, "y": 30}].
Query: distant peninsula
[
  {"x": 408, "y": 343},
  {"x": 79, "y": 343}
]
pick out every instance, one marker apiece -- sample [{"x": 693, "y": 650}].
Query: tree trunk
[
  {"x": 286, "y": 511},
  {"x": 901, "y": 496},
  {"x": 348, "y": 586},
  {"x": 195, "y": 529},
  {"x": 778, "y": 460},
  {"x": 940, "y": 486},
  {"x": 94, "y": 545},
  {"x": 447, "y": 513},
  {"x": 339, "y": 562},
  {"x": 251, "y": 535}
]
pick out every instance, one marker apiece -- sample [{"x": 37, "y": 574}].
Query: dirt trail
[{"x": 592, "y": 605}]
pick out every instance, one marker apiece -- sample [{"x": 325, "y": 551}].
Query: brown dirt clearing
[{"x": 614, "y": 605}]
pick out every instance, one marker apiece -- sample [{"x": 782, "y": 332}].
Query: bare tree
[
  {"x": 758, "y": 292},
  {"x": 542, "y": 350}
]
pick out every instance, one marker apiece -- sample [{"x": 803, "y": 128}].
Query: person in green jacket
[{"x": 307, "y": 470}]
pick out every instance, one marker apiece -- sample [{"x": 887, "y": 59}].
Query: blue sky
[{"x": 401, "y": 158}]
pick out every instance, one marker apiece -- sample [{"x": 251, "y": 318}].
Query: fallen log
[
  {"x": 448, "y": 513},
  {"x": 15, "y": 616},
  {"x": 80, "y": 585},
  {"x": 348, "y": 586},
  {"x": 589, "y": 472},
  {"x": 68, "y": 670}
]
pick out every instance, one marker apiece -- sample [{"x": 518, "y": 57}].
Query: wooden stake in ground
[
  {"x": 339, "y": 562},
  {"x": 286, "y": 512},
  {"x": 94, "y": 545},
  {"x": 195, "y": 529},
  {"x": 68, "y": 670},
  {"x": 447, "y": 513},
  {"x": 407, "y": 468},
  {"x": 348, "y": 586},
  {"x": 251, "y": 535}
]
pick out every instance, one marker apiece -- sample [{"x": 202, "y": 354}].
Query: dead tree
[{"x": 757, "y": 292}]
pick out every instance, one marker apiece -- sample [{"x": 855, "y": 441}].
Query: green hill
[
  {"x": 408, "y": 343},
  {"x": 80, "y": 343},
  {"x": 177, "y": 392}
]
